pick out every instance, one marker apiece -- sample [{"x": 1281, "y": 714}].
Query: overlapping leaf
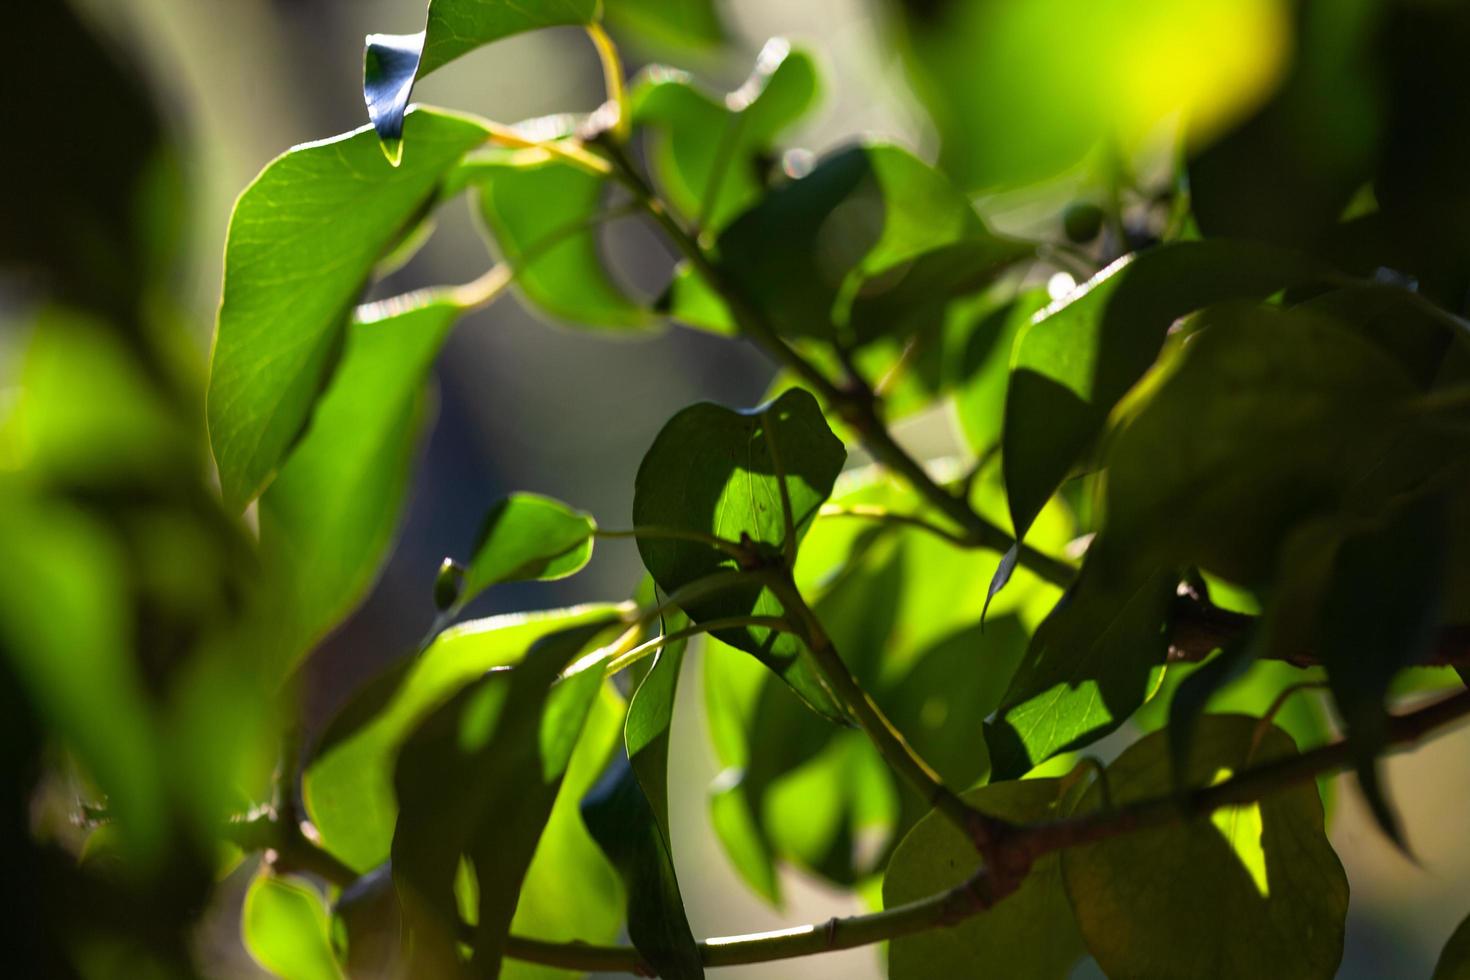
[
  {"x": 1250, "y": 890},
  {"x": 348, "y": 788},
  {"x": 1081, "y": 355},
  {"x": 714, "y": 471},
  {"x": 303, "y": 241},
  {"x": 1030, "y": 934}
]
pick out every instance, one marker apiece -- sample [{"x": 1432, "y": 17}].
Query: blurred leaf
[
  {"x": 544, "y": 215},
  {"x": 707, "y": 153},
  {"x": 348, "y": 787},
  {"x": 1380, "y": 614},
  {"x": 1090, "y": 665},
  {"x": 1253, "y": 890},
  {"x": 528, "y": 536},
  {"x": 1031, "y": 934},
  {"x": 1284, "y": 415},
  {"x": 303, "y": 240},
  {"x": 711, "y": 470},
  {"x": 394, "y": 62},
  {"x": 91, "y": 229},
  {"x": 695, "y": 23},
  {"x": 327, "y": 520},
  {"x": 1081, "y": 355},
  {"x": 284, "y": 925},
  {"x": 70, "y": 654},
  {"x": 1023, "y": 91},
  {"x": 804, "y": 253},
  {"x": 1454, "y": 959},
  {"x": 478, "y": 779}
]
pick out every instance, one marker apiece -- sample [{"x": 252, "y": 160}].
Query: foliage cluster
[{"x": 1215, "y": 491}]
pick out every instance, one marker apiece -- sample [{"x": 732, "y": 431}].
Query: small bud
[{"x": 448, "y": 584}]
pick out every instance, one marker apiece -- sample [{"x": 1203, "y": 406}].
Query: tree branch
[{"x": 1013, "y": 855}]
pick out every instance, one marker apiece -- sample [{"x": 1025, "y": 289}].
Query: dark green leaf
[
  {"x": 327, "y": 520},
  {"x": 806, "y": 252},
  {"x": 394, "y": 62},
  {"x": 1454, "y": 959},
  {"x": 1081, "y": 355},
  {"x": 348, "y": 788},
  {"x": 1252, "y": 890},
  {"x": 711, "y": 470},
  {"x": 284, "y": 925},
  {"x": 1271, "y": 417},
  {"x": 1380, "y": 614},
  {"x": 705, "y": 151},
  {"x": 1090, "y": 665},
  {"x": 527, "y": 536},
  {"x": 478, "y": 780},
  {"x": 543, "y": 214},
  {"x": 629, "y": 817},
  {"x": 303, "y": 241},
  {"x": 1031, "y": 934},
  {"x": 1195, "y": 693},
  {"x": 985, "y": 369}
]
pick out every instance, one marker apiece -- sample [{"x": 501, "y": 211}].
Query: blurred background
[{"x": 242, "y": 80}]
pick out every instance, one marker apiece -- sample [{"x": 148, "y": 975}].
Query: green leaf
[
  {"x": 1081, "y": 355},
  {"x": 711, "y": 470},
  {"x": 693, "y": 23},
  {"x": 478, "y": 780},
  {"x": 571, "y": 892},
  {"x": 284, "y": 925},
  {"x": 1270, "y": 417},
  {"x": 527, "y": 536},
  {"x": 628, "y": 816},
  {"x": 1380, "y": 614},
  {"x": 327, "y": 520},
  {"x": 348, "y": 788},
  {"x": 703, "y": 150},
  {"x": 392, "y": 63},
  {"x": 1090, "y": 665},
  {"x": 1454, "y": 959},
  {"x": 543, "y": 214},
  {"x": 806, "y": 252},
  {"x": 1030, "y": 934},
  {"x": 1252, "y": 890},
  {"x": 303, "y": 241}
]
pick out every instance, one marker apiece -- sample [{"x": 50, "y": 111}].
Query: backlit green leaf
[
  {"x": 705, "y": 151},
  {"x": 543, "y": 214},
  {"x": 1082, "y": 354},
  {"x": 327, "y": 520},
  {"x": 303, "y": 241},
  {"x": 1090, "y": 665},
  {"x": 1252, "y": 890},
  {"x": 712, "y": 470},
  {"x": 348, "y": 788},
  {"x": 478, "y": 779},
  {"x": 1030, "y": 934},
  {"x": 680, "y": 22},
  {"x": 284, "y": 925},
  {"x": 527, "y": 536}
]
